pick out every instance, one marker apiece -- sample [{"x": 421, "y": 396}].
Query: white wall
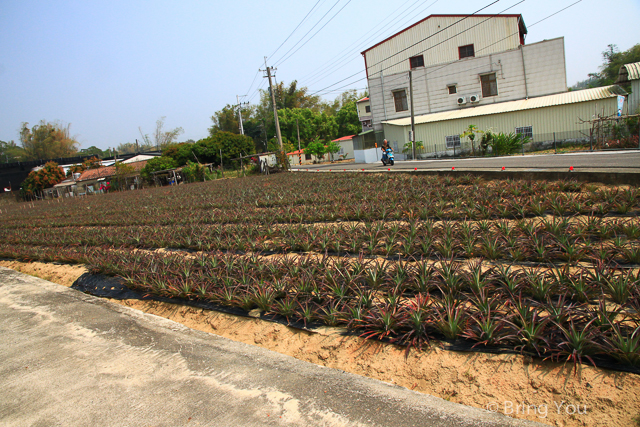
[
  {"x": 370, "y": 155},
  {"x": 544, "y": 63},
  {"x": 438, "y": 38}
]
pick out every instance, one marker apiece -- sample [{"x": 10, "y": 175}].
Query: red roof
[
  {"x": 108, "y": 171},
  {"x": 366, "y": 98},
  {"x": 344, "y": 138},
  {"x": 523, "y": 28},
  {"x": 295, "y": 153}
]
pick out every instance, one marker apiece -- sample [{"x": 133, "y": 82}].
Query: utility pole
[
  {"x": 413, "y": 122},
  {"x": 299, "y": 153},
  {"x": 239, "y": 105},
  {"x": 273, "y": 101}
]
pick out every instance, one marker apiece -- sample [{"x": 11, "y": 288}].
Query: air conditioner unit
[
  {"x": 474, "y": 98},
  {"x": 462, "y": 100}
]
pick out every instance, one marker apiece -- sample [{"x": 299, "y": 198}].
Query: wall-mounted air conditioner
[
  {"x": 462, "y": 100},
  {"x": 474, "y": 98}
]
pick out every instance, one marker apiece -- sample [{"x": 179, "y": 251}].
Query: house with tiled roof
[{"x": 91, "y": 180}]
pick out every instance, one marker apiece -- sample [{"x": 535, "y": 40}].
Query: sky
[{"x": 108, "y": 68}]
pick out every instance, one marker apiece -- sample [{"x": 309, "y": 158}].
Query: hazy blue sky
[{"x": 108, "y": 67}]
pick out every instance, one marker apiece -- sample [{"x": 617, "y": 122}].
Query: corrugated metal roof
[
  {"x": 344, "y": 138},
  {"x": 511, "y": 106},
  {"x": 629, "y": 72}
]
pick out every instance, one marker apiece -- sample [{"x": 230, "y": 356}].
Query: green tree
[
  {"x": 612, "y": 60},
  {"x": 157, "y": 164},
  {"x": 225, "y": 120},
  {"x": 93, "y": 151},
  {"x": 47, "y": 141},
  {"x": 10, "y": 152},
  {"x": 332, "y": 148},
  {"x": 470, "y": 133},
  {"x": 46, "y": 177},
  {"x": 348, "y": 121},
  {"x": 316, "y": 148}
]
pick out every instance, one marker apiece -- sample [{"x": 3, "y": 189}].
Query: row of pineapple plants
[
  {"x": 587, "y": 239},
  {"x": 330, "y": 198},
  {"x": 578, "y": 314}
]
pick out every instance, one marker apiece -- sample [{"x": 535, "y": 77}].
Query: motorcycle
[{"x": 387, "y": 157}]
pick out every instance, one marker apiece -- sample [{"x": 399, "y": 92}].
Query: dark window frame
[
  {"x": 526, "y": 130},
  {"x": 489, "y": 85},
  {"x": 402, "y": 100},
  {"x": 452, "y": 141},
  {"x": 466, "y": 51},
  {"x": 416, "y": 62},
  {"x": 367, "y": 108},
  {"x": 455, "y": 89}
]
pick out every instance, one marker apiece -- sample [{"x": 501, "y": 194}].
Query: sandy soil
[{"x": 547, "y": 392}]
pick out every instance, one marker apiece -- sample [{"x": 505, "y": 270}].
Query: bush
[{"x": 506, "y": 143}]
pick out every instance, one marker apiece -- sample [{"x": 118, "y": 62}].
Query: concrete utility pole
[
  {"x": 239, "y": 105},
  {"x": 273, "y": 101},
  {"x": 299, "y": 153},
  {"x": 413, "y": 122}
]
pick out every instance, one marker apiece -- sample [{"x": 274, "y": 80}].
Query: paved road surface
[
  {"x": 70, "y": 359},
  {"x": 610, "y": 161}
]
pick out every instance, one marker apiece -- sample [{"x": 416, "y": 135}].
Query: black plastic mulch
[{"x": 113, "y": 287}]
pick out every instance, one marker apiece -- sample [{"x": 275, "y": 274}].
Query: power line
[
  {"x": 336, "y": 14},
  {"x": 322, "y": 73},
  {"x": 302, "y": 38},
  {"x": 294, "y": 30},
  {"x": 428, "y": 37}
]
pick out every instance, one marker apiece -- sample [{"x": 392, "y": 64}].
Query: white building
[{"x": 460, "y": 62}]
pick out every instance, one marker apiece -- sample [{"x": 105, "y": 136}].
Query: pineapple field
[{"x": 549, "y": 270}]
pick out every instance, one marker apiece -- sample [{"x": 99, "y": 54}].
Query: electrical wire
[
  {"x": 321, "y": 74},
  {"x": 307, "y": 33},
  {"x": 298, "y": 26},
  {"x": 336, "y": 14},
  {"x": 428, "y": 37}
]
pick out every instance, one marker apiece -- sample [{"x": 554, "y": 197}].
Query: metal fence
[{"x": 554, "y": 142}]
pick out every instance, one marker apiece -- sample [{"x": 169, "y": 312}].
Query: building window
[
  {"x": 367, "y": 109},
  {"x": 489, "y": 85},
  {"x": 307, "y": 156},
  {"x": 527, "y": 131},
  {"x": 453, "y": 141},
  {"x": 416, "y": 61},
  {"x": 466, "y": 51},
  {"x": 453, "y": 89},
  {"x": 400, "y": 100}
]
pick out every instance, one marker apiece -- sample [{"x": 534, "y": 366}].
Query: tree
[
  {"x": 161, "y": 138},
  {"x": 157, "y": 164},
  {"x": 46, "y": 177},
  {"x": 332, "y": 148},
  {"x": 225, "y": 120},
  {"x": 613, "y": 59},
  {"x": 93, "y": 151},
  {"x": 348, "y": 120},
  {"x": 316, "y": 148},
  {"x": 47, "y": 141},
  {"x": 92, "y": 163},
  {"x": 10, "y": 152},
  {"x": 470, "y": 133}
]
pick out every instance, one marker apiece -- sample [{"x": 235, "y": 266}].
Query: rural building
[
  {"x": 299, "y": 157},
  {"x": 544, "y": 119},
  {"x": 91, "y": 180},
  {"x": 346, "y": 148},
  {"x": 631, "y": 73},
  {"x": 364, "y": 113},
  {"x": 474, "y": 70}
]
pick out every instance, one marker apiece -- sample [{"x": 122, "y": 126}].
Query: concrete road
[
  {"x": 70, "y": 359},
  {"x": 609, "y": 161}
]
